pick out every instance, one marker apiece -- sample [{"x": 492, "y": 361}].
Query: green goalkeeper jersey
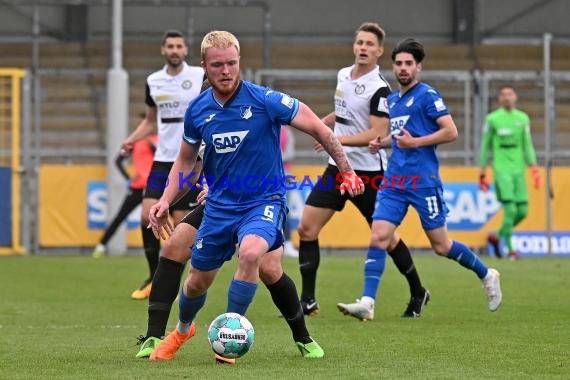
[{"x": 508, "y": 134}]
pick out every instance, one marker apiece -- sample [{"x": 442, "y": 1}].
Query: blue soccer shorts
[
  {"x": 224, "y": 227},
  {"x": 392, "y": 206}
]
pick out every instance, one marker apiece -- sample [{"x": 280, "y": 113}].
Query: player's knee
[
  {"x": 249, "y": 257},
  {"x": 393, "y": 243},
  {"x": 307, "y": 231},
  {"x": 441, "y": 248},
  {"x": 195, "y": 286},
  {"x": 380, "y": 239},
  {"x": 144, "y": 219},
  {"x": 177, "y": 251}
]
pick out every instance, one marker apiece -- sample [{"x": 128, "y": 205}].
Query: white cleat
[
  {"x": 358, "y": 310},
  {"x": 492, "y": 286}
]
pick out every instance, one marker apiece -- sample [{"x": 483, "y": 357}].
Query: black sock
[
  {"x": 309, "y": 258},
  {"x": 151, "y": 249},
  {"x": 284, "y": 295},
  {"x": 165, "y": 285},
  {"x": 403, "y": 261}
]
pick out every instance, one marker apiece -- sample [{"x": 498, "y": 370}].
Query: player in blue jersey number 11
[{"x": 419, "y": 122}]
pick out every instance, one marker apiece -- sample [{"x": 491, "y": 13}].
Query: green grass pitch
[{"x": 71, "y": 317}]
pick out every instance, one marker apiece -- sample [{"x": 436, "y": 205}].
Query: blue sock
[
  {"x": 463, "y": 255},
  {"x": 189, "y": 307},
  {"x": 373, "y": 269},
  {"x": 240, "y": 295}
]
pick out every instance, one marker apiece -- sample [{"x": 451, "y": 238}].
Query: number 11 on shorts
[{"x": 433, "y": 209}]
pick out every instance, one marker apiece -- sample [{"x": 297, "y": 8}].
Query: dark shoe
[
  {"x": 416, "y": 305},
  {"x": 310, "y": 307}
]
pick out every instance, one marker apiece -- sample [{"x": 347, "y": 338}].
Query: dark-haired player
[
  {"x": 360, "y": 115},
  {"x": 419, "y": 122},
  {"x": 168, "y": 93}
]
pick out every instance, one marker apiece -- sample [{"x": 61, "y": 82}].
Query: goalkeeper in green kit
[{"x": 507, "y": 133}]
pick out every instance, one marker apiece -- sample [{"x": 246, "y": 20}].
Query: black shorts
[
  {"x": 156, "y": 184},
  {"x": 194, "y": 217},
  {"x": 326, "y": 195}
]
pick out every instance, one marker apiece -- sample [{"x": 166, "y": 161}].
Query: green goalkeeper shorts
[{"x": 511, "y": 187}]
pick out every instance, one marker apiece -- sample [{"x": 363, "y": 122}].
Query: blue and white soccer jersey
[
  {"x": 242, "y": 162},
  {"x": 417, "y": 111}
]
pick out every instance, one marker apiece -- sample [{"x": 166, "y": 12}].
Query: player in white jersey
[
  {"x": 168, "y": 93},
  {"x": 360, "y": 115}
]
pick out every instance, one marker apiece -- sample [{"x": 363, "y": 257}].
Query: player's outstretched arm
[
  {"x": 306, "y": 121},
  {"x": 179, "y": 178},
  {"x": 329, "y": 119}
]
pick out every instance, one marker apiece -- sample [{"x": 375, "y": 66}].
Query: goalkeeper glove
[
  {"x": 483, "y": 182},
  {"x": 535, "y": 176}
]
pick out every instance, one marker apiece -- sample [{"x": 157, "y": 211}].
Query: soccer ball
[{"x": 230, "y": 335}]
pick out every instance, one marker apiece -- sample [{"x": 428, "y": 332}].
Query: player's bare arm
[
  {"x": 380, "y": 142},
  {"x": 185, "y": 163},
  {"x": 383, "y": 141},
  {"x": 306, "y": 121},
  {"x": 447, "y": 133},
  {"x": 329, "y": 119},
  {"x": 146, "y": 127},
  {"x": 193, "y": 182},
  {"x": 378, "y": 129}
]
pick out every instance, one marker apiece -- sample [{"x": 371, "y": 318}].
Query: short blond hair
[{"x": 218, "y": 39}]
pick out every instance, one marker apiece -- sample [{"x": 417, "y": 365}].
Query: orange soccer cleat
[
  {"x": 143, "y": 292},
  {"x": 172, "y": 343}
]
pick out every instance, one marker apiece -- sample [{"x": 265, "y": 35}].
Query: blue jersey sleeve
[
  {"x": 191, "y": 133},
  {"x": 281, "y": 107},
  {"x": 434, "y": 105}
]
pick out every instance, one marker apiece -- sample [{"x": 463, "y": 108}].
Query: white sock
[
  {"x": 368, "y": 301},
  {"x": 487, "y": 276}
]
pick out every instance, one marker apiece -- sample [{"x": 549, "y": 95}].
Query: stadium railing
[{"x": 10, "y": 160}]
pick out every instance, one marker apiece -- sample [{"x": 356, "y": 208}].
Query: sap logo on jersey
[
  {"x": 97, "y": 208},
  {"x": 229, "y": 141},
  {"x": 469, "y": 208},
  {"x": 398, "y": 123}
]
